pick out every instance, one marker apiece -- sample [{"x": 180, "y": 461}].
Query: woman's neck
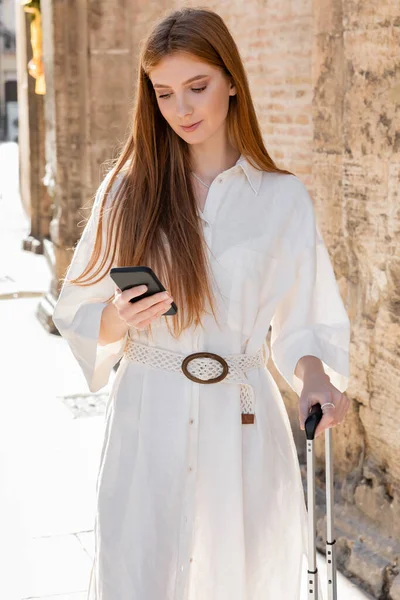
[{"x": 209, "y": 164}]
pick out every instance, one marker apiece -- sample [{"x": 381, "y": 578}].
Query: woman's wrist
[
  {"x": 112, "y": 327},
  {"x": 309, "y": 367}
]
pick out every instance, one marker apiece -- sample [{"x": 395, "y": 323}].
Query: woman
[{"x": 199, "y": 492}]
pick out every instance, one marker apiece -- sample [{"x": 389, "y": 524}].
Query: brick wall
[{"x": 275, "y": 42}]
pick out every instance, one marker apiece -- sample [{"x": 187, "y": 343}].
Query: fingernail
[{"x": 143, "y": 288}]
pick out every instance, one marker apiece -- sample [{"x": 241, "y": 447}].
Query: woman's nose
[{"x": 183, "y": 108}]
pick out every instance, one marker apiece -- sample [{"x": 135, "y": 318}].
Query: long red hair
[{"x": 154, "y": 206}]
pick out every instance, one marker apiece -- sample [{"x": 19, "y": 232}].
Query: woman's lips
[{"x": 192, "y": 128}]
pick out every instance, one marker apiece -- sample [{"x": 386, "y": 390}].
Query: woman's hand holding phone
[{"x": 141, "y": 313}]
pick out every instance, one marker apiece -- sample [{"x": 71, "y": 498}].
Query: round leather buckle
[{"x": 190, "y": 357}]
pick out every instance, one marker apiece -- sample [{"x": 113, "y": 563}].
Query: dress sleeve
[
  {"x": 77, "y": 313},
  {"x": 310, "y": 318}
]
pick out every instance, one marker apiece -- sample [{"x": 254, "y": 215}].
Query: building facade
[{"x": 8, "y": 73}]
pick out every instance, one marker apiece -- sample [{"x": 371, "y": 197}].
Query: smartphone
[{"x": 128, "y": 277}]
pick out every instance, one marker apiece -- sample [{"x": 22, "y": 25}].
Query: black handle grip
[{"x": 312, "y": 420}]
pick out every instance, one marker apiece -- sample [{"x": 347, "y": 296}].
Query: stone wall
[
  {"x": 35, "y": 199},
  {"x": 355, "y": 183},
  {"x": 362, "y": 164},
  {"x": 88, "y": 62}
]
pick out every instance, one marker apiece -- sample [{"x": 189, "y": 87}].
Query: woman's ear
[{"x": 232, "y": 89}]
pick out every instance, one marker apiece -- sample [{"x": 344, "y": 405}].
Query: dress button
[
  {"x": 190, "y": 469},
  {"x": 191, "y": 421},
  {"x": 191, "y": 559}
]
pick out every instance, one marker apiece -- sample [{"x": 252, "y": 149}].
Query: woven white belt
[{"x": 203, "y": 369}]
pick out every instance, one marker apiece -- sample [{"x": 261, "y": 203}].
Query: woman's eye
[{"x": 197, "y": 90}]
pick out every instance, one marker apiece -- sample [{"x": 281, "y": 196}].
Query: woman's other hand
[{"x": 317, "y": 388}]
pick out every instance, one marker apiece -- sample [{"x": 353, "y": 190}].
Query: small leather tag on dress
[{"x": 247, "y": 418}]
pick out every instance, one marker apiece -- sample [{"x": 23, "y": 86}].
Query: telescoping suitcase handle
[{"x": 310, "y": 427}]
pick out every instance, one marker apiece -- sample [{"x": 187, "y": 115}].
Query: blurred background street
[{"x": 48, "y": 458}]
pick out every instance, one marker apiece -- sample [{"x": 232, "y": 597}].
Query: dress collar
[{"x": 253, "y": 175}]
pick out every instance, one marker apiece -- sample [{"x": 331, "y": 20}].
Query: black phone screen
[{"x": 128, "y": 277}]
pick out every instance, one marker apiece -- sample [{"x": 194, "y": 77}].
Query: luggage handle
[
  {"x": 310, "y": 426},
  {"x": 314, "y": 417}
]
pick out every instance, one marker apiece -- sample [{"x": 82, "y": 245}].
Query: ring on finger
[{"x": 328, "y": 404}]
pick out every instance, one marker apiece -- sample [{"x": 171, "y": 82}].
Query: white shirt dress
[{"x": 191, "y": 503}]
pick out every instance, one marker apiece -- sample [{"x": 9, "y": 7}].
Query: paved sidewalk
[{"x": 48, "y": 456}]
